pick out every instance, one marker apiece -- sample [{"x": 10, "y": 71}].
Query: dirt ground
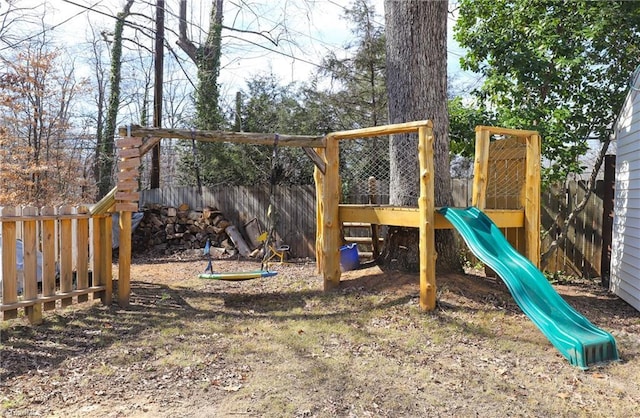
[{"x": 281, "y": 347}]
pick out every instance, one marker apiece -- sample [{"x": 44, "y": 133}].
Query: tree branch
[{"x": 583, "y": 203}]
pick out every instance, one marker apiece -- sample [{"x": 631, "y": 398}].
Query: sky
[{"x": 303, "y": 32}]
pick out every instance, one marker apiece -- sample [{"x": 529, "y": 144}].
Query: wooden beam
[
  {"x": 496, "y": 130},
  {"x": 148, "y": 145},
  {"x": 410, "y": 217},
  {"x": 224, "y": 136},
  {"x": 317, "y": 159},
  {"x": 398, "y": 128}
]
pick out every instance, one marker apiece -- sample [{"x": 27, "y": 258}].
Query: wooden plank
[
  {"x": 48, "y": 255},
  {"x": 97, "y": 274},
  {"x": 124, "y": 196},
  {"x": 126, "y": 207},
  {"x": 129, "y": 142},
  {"x": 9, "y": 258},
  {"x": 129, "y": 153},
  {"x": 82, "y": 253},
  {"x": 66, "y": 256},
  {"x": 107, "y": 258},
  {"x": 30, "y": 241},
  {"x": 128, "y": 183},
  {"x": 224, "y": 136},
  {"x": 410, "y": 217},
  {"x": 51, "y": 299},
  {"x": 129, "y": 166}
]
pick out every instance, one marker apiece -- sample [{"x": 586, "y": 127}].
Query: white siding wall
[{"x": 625, "y": 252}]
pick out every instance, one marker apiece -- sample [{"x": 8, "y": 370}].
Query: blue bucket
[{"x": 349, "y": 259}]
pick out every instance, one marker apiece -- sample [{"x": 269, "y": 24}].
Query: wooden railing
[{"x": 53, "y": 257}]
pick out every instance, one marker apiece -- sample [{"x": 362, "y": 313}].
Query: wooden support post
[
  {"x": 30, "y": 241},
  {"x": 427, "y": 212},
  {"x": 126, "y": 202},
  {"x": 124, "y": 259},
  {"x": 481, "y": 168},
  {"x": 331, "y": 237},
  {"x": 9, "y": 268},
  {"x": 532, "y": 200},
  {"x": 318, "y": 178}
]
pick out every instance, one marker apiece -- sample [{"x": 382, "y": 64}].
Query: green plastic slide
[{"x": 581, "y": 342}]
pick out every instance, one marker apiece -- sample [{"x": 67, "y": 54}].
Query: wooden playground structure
[{"x": 506, "y": 187}]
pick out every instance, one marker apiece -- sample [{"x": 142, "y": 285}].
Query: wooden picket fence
[{"x": 66, "y": 257}]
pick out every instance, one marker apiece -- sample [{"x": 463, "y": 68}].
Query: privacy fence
[{"x": 579, "y": 254}]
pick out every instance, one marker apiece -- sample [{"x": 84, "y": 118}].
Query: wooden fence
[
  {"x": 579, "y": 254},
  {"x": 53, "y": 257}
]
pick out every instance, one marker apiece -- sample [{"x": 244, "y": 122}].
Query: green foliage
[
  {"x": 463, "y": 119},
  {"x": 557, "y": 67},
  {"x": 267, "y": 107},
  {"x": 360, "y": 99}
]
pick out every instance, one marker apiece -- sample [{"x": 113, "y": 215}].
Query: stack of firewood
[{"x": 169, "y": 229}]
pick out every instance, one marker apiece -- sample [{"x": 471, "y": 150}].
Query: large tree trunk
[{"x": 417, "y": 88}]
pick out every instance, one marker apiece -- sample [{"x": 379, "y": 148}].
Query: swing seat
[{"x": 238, "y": 276}]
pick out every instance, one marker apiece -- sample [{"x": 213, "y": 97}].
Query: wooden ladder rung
[
  {"x": 356, "y": 225},
  {"x": 361, "y": 240}
]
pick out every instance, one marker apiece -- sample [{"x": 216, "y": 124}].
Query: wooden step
[
  {"x": 356, "y": 225},
  {"x": 361, "y": 240}
]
